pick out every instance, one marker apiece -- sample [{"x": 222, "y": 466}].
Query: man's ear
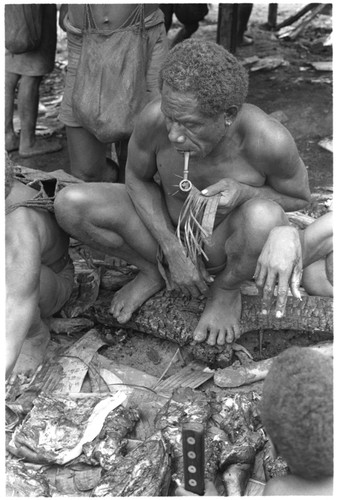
[{"x": 230, "y": 114}]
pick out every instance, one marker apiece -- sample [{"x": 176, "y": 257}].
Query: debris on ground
[
  {"x": 327, "y": 144},
  {"x": 162, "y": 382}
]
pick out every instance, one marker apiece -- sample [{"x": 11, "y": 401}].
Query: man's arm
[
  {"x": 23, "y": 264},
  {"x": 150, "y": 205},
  {"x": 274, "y": 154}
]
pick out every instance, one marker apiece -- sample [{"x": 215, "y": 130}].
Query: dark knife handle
[{"x": 193, "y": 436}]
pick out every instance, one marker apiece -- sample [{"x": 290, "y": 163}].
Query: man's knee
[
  {"x": 257, "y": 218},
  {"x": 70, "y": 205},
  {"x": 262, "y": 215}
]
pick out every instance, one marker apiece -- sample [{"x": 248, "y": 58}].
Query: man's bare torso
[
  {"x": 233, "y": 159},
  {"x": 107, "y": 16}
]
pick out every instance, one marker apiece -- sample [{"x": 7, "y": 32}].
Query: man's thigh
[{"x": 244, "y": 229}]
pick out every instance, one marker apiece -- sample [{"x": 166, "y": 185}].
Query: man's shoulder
[
  {"x": 151, "y": 114},
  {"x": 295, "y": 485},
  {"x": 257, "y": 127},
  {"x": 258, "y": 120}
]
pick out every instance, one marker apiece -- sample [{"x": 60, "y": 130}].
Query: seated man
[
  {"x": 39, "y": 276},
  {"x": 235, "y": 149},
  {"x": 286, "y": 253}
]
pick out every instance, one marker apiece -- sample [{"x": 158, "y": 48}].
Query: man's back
[
  {"x": 295, "y": 485},
  {"x": 23, "y": 224}
]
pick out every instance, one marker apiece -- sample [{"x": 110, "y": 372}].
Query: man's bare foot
[
  {"x": 12, "y": 142},
  {"x": 129, "y": 298},
  {"x": 41, "y": 147},
  {"x": 33, "y": 350},
  {"x": 220, "y": 321}
]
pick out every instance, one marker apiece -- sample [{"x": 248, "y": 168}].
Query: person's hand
[
  {"x": 210, "y": 491},
  {"x": 185, "y": 276},
  {"x": 230, "y": 190},
  {"x": 280, "y": 263}
]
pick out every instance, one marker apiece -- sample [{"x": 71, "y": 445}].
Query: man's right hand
[{"x": 185, "y": 276}]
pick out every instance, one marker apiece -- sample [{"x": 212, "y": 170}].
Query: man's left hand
[
  {"x": 280, "y": 263},
  {"x": 230, "y": 191}
]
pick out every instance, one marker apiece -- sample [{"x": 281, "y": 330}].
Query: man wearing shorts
[
  {"x": 39, "y": 275},
  {"x": 87, "y": 154}
]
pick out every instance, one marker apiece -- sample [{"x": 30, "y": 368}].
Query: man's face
[{"x": 188, "y": 129}]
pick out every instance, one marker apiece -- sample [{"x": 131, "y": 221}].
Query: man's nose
[{"x": 175, "y": 134}]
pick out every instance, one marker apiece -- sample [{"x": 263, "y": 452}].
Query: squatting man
[
  {"x": 235, "y": 149},
  {"x": 39, "y": 274}
]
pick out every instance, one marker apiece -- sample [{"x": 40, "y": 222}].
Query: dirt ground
[{"x": 296, "y": 91}]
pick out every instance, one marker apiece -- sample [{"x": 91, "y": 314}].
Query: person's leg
[
  {"x": 102, "y": 216},
  {"x": 167, "y": 9},
  {"x": 11, "y": 139},
  {"x": 185, "y": 32},
  {"x": 237, "y": 242},
  {"x": 244, "y": 12},
  {"x": 88, "y": 157},
  {"x": 28, "y": 104},
  {"x": 34, "y": 347},
  {"x": 55, "y": 290},
  {"x": 317, "y": 278}
]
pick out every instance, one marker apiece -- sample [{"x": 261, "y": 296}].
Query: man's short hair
[
  {"x": 207, "y": 70},
  {"x": 297, "y": 410}
]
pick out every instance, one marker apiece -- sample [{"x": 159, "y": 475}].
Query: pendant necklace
[{"x": 185, "y": 185}]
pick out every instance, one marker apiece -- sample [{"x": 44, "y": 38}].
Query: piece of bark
[
  {"x": 84, "y": 294},
  {"x": 174, "y": 317},
  {"x": 290, "y": 20}
]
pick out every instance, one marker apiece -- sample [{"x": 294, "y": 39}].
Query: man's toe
[
  {"x": 212, "y": 337},
  {"x": 199, "y": 336}
]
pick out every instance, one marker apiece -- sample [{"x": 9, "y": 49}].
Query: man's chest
[{"x": 203, "y": 172}]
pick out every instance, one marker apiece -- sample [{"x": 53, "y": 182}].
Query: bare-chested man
[
  {"x": 235, "y": 149},
  {"x": 39, "y": 276}
]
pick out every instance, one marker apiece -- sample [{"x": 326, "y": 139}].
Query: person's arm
[
  {"x": 23, "y": 264},
  {"x": 317, "y": 240},
  {"x": 150, "y": 205},
  {"x": 275, "y": 156},
  {"x": 286, "y": 252}
]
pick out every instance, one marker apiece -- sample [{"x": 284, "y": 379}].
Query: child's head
[{"x": 297, "y": 410}]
